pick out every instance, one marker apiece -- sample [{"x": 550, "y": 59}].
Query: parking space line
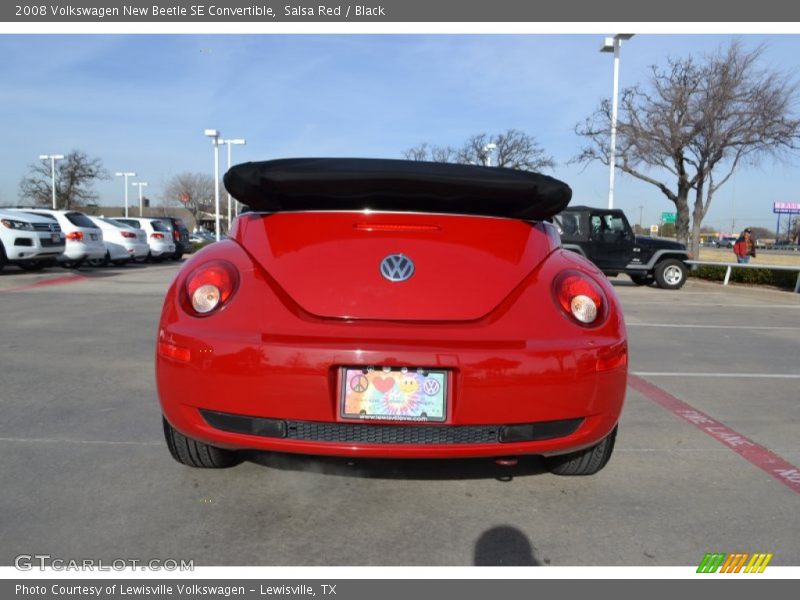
[
  {"x": 725, "y": 375},
  {"x": 712, "y": 303},
  {"x": 757, "y": 455},
  {"x": 63, "y": 441},
  {"x": 677, "y": 326}
]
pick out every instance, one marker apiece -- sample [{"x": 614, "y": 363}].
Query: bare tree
[
  {"x": 195, "y": 191},
  {"x": 425, "y": 152},
  {"x": 514, "y": 150},
  {"x": 794, "y": 231},
  {"x": 693, "y": 124},
  {"x": 75, "y": 175},
  {"x": 762, "y": 233}
]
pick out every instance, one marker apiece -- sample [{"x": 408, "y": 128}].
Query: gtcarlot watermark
[{"x": 29, "y": 562}]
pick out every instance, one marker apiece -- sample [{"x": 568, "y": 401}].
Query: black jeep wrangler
[{"x": 604, "y": 236}]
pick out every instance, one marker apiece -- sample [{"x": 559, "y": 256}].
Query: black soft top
[{"x": 295, "y": 184}]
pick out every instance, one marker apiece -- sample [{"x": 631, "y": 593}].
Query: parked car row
[
  {"x": 723, "y": 242},
  {"x": 34, "y": 238}
]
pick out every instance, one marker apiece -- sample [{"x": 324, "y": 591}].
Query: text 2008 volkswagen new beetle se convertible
[{"x": 382, "y": 308}]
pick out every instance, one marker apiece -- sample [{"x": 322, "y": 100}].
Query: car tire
[
  {"x": 73, "y": 264},
  {"x": 670, "y": 274},
  {"x": 642, "y": 279},
  {"x": 177, "y": 256},
  {"x": 584, "y": 462},
  {"x": 3, "y": 258},
  {"x": 100, "y": 262},
  {"x": 197, "y": 454}
]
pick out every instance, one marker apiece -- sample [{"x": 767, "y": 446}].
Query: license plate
[
  {"x": 394, "y": 394},
  {"x": 55, "y": 238}
]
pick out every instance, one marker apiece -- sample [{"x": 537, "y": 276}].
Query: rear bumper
[
  {"x": 80, "y": 251},
  {"x": 137, "y": 249},
  {"x": 159, "y": 249},
  {"x": 500, "y": 402}
]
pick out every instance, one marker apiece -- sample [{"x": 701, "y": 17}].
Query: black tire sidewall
[{"x": 658, "y": 273}]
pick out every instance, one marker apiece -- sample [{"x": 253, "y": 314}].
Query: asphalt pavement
[{"x": 708, "y": 439}]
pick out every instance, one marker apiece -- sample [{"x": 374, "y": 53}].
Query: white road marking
[
  {"x": 725, "y": 375},
  {"x": 704, "y": 450},
  {"x": 62, "y": 441},
  {"x": 677, "y": 326},
  {"x": 710, "y": 304}
]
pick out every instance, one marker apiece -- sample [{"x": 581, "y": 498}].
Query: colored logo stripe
[
  {"x": 758, "y": 563},
  {"x": 711, "y": 562},
  {"x": 733, "y": 563}
]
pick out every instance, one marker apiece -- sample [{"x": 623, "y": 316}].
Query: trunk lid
[{"x": 332, "y": 264}]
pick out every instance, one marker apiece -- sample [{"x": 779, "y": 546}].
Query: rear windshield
[
  {"x": 570, "y": 225},
  {"x": 116, "y": 223},
  {"x": 45, "y": 215},
  {"x": 129, "y": 222},
  {"x": 80, "y": 220},
  {"x": 161, "y": 226}
]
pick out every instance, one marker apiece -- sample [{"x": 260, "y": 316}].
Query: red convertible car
[{"x": 382, "y": 308}]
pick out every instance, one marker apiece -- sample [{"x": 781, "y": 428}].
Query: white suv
[
  {"x": 29, "y": 241},
  {"x": 123, "y": 243},
  {"x": 84, "y": 238},
  {"x": 159, "y": 235}
]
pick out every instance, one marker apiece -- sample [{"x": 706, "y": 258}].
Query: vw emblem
[
  {"x": 397, "y": 267},
  {"x": 53, "y": 227}
]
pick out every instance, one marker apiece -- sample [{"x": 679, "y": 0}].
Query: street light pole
[
  {"x": 214, "y": 135},
  {"x": 613, "y": 45},
  {"x": 229, "y": 143},
  {"x": 140, "y": 185},
  {"x": 126, "y": 175},
  {"x": 488, "y": 149},
  {"x": 53, "y": 158}
]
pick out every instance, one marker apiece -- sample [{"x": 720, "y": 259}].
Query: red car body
[{"x": 265, "y": 370}]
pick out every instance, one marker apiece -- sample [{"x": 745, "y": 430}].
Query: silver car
[
  {"x": 123, "y": 242},
  {"x": 159, "y": 235}
]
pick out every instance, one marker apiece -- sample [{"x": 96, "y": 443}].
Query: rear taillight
[
  {"x": 75, "y": 236},
  {"x": 128, "y": 234},
  {"x": 157, "y": 236},
  {"x": 580, "y": 297},
  {"x": 209, "y": 287},
  {"x": 176, "y": 235}
]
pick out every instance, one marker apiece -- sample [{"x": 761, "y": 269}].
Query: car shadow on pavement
[
  {"x": 408, "y": 469},
  {"x": 623, "y": 282},
  {"x": 504, "y": 546}
]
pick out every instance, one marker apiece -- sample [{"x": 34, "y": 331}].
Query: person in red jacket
[{"x": 745, "y": 247}]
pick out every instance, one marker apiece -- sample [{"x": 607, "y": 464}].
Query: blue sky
[{"x": 141, "y": 102}]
